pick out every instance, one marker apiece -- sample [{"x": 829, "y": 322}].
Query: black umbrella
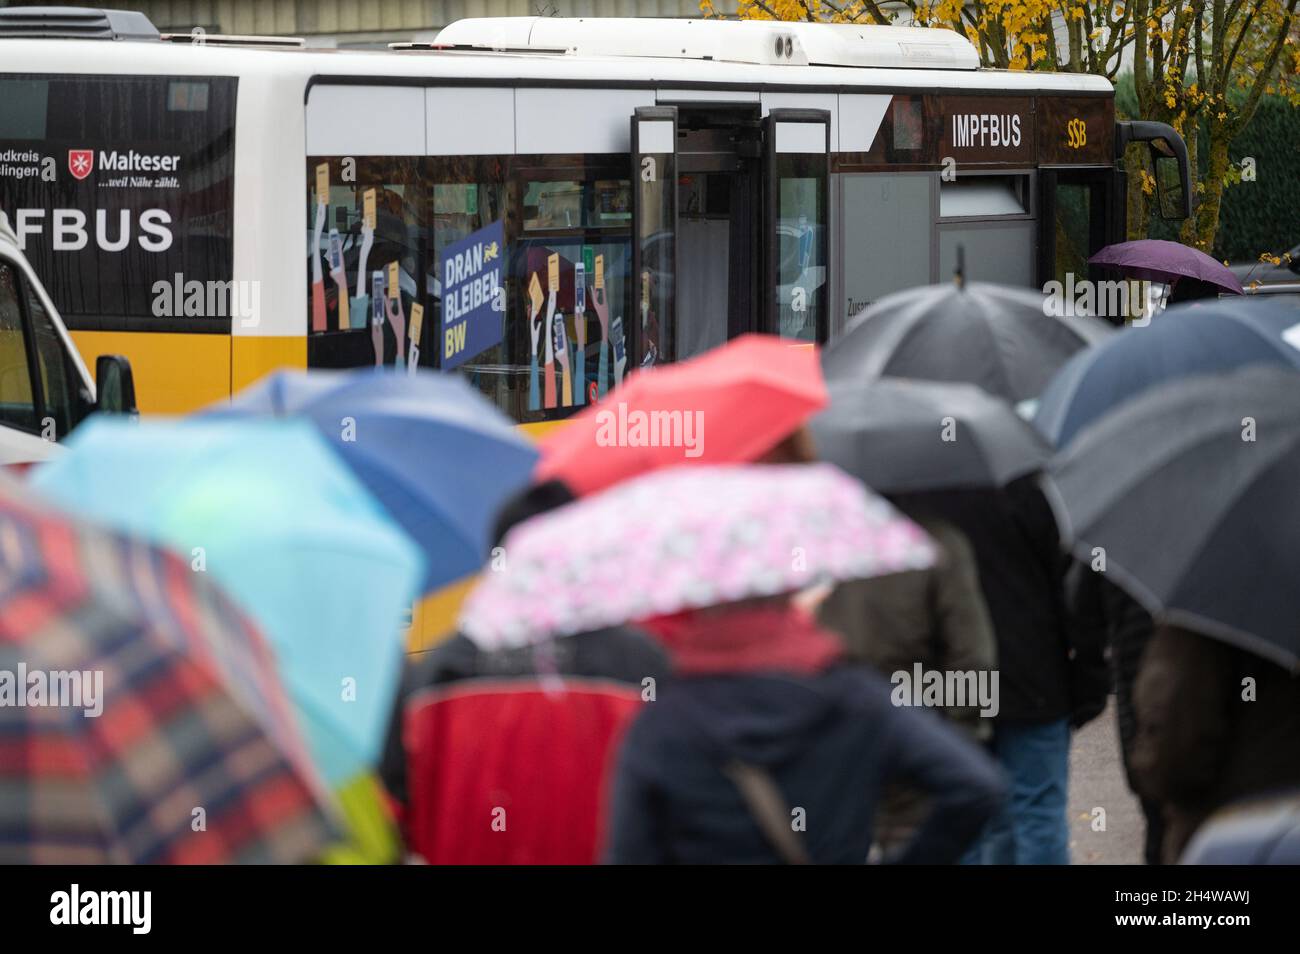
[
  {"x": 1191, "y": 494},
  {"x": 903, "y": 436},
  {"x": 996, "y": 337}
]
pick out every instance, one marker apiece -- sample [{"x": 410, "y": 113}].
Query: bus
[{"x": 545, "y": 205}]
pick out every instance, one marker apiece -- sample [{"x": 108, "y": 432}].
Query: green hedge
[{"x": 1258, "y": 216}]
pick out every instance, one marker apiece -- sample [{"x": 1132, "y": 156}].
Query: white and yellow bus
[{"x": 213, "y": 208}]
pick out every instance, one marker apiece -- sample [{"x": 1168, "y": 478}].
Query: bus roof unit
[
  {"x": 75, "y": 23},
  {"x": 763, "y": 42}
]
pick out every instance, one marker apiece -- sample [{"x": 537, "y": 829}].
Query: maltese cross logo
[{"x": 81, "y": 162}]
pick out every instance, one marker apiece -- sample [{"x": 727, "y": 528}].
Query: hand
[
  {"x": 535, "y": 325},
  {"x": 562, "y": 358},
  {"x": 377, "y": 338},
  {"x": 550, "y": 318},
  {"x": 322, "y": 213},
  {"x": 397, "y": 318},
  {"x": 601, "y": 304},
  {"x": 367, "y": 240},
  {"x": 562, "y": 346}
]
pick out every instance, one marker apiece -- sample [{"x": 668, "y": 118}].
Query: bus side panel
[
  {"x": 175, "y": 372},
  {"x": 253, "y": 357}
]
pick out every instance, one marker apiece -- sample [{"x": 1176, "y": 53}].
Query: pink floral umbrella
[{"x": 686, "y": 538}]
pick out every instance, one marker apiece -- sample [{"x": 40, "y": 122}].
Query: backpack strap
[{"x": 767, "y": 806}]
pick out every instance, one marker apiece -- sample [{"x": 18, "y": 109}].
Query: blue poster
[{"x": 473, "y": 295}]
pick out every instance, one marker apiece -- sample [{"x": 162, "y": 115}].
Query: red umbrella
[{"x": 730, "y": 405}]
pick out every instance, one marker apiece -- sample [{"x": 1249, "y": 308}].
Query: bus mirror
[
  {"x": 115, "y": 385},
  {"x": 1171, "y": 191}
]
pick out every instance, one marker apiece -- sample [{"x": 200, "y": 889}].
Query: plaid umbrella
[{"x": 141, "y": 720}]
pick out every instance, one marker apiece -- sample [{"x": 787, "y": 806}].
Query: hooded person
[
  {"x": 531, "y": 727},
  {"x": 764, "y": 748}
]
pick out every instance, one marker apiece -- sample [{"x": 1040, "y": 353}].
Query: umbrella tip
[{"x": 959, "y": 273}]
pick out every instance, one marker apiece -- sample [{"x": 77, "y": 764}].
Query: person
[
  {"x": 1101, "y": 610},
  {"x": 765, "y": 748},
  {"x": 1049, "y": 680},
  {"x": 1214, "y": 724},
  {"x": 527, "y": 731},
  {"x": 935, "y": 617}
]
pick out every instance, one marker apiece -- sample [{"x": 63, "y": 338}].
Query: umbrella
[
  {"x": 730, "y": 405},
  {"x": 162, "y": 734},
  {"x": 278, "y": 519},
  {"x": 993, "y": 336},
  {"x": 1189, "y": 491},
  {"x": 1196, "y": 338},
  {"x": 1158, "y": 260},
  {"x": 902, "y": 436},
  {"x": 687, "y": 538},
  {"x": 431, "y": 449}
]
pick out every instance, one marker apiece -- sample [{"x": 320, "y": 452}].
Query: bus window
[
  {"x": 1074, "y": 222},
  {"x": 540, "y": 225},
  {"x": 17, "y": 402},
  {"x": 798, "y": 163}
]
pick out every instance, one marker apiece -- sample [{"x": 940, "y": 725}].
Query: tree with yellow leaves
[
  {"x": 1193, "y": 61},
  {"x": 1074, "y": 36}
]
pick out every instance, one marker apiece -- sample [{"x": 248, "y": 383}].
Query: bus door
[
  {"x": 654, "y": 235},
  {"x": 1078, "y": 217},
  {"x": 795, "y": 255}
]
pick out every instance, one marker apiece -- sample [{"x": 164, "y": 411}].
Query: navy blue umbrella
[
  {"x": 1196, "y": 338},
  {"x": 1188, "y": 496},
  {"x": 435, "y": 452}
]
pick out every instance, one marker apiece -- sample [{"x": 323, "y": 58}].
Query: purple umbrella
[{"x": 1167, "y": 262}]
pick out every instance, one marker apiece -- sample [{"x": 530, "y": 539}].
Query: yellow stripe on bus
[{"x": 175, "y": 372}]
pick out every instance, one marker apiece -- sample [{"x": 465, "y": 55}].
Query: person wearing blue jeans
[
  {"x": 1052, "y": 668},
  {"x": 1032, "y": 828}
]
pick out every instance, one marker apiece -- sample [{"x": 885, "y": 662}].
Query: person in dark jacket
[
  {"x": 1214, "y": 724},
  {"x": 759, "y": 704},
  {"x": 935, "y": 618},
  {"x": 1101, "y": 610},
  {"x": 1048, "y": 681}
]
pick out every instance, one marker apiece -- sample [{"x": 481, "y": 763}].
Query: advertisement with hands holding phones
[
  {"x": 340, "y": 277},
  {"x": 362, "y": 304},
  {"x": 535, "y": 300},
  {"x": 396, "y": 317}
]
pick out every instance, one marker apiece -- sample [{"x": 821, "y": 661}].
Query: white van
[{"x": 45, "y": 389}]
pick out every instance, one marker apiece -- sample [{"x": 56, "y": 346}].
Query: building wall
[{"x": 354, "y": 22}]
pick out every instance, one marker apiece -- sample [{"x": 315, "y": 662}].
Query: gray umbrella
[
  {"x": 996, "y": 337},
  {"x": 1191, "y": 493},
  {"x": 902, "y": 436}
]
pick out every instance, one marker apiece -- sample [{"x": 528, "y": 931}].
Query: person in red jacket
[{"x": 502, "y": 757}]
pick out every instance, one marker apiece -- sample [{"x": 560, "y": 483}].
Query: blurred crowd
[{"x": 859, "y": 622}]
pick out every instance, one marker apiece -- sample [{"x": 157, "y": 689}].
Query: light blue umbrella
[
  {"x": 279, "y": 520},
  {"x": 432, "y": 450}
]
